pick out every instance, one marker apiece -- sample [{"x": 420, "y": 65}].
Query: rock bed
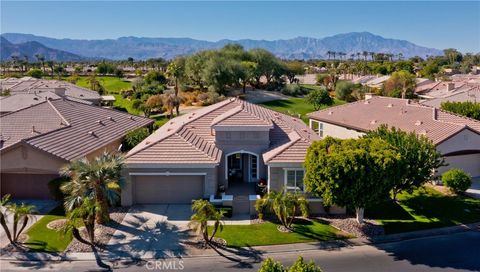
[
  {"x": 349, "y": 225},
  {"x": 103, "y": 233}
]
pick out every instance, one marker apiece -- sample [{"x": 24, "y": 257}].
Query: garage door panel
[
  {"x": 26, "y": 186},
  {"x": 469, "y": 163},
  {"x": 168, "y": 189}
]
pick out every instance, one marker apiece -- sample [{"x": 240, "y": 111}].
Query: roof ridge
[
  {"x": 58, "y": 112},
  {"x": 31, "y": 106},
  {"x": 193, "y": 145},
  {"x": 279, "y": 149}
]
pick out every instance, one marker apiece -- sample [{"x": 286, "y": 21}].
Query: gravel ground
[
  {"x": 349, "y": 225},
  {"x": 103, "y": 233}
]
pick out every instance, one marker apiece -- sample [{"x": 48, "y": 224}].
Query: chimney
[
  {"x": 450, "y": 86},
  {"x": 369, "y": 96},
  {"x": 59, "y": 91}
]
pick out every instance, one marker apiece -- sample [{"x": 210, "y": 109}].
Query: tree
[
  {"x": 175, "y": 72},
  {"x": 318, "y": 98},
  {"x": 154, "y": 102},
  {"x": 294, "y": 68},
  {"x": 134, "y": 137},
  {"x": 344, "y": 90},
  {"x": 86, "y": 211},
  {"x": 41, "y": 58},
  {"x": 170, "y": 102},
  {"x": 285, "y": 205},
  {"x": 36, "y": 73},
  {"x": 269, "y": 265},
  {"x": 155, "y": 77},
  {"x": 204, "y": 211},
  {"x": 352, "y": 172},
  {"x": 99, "y": 178},
  {"x": 468, "y": 108},
  {"x": 20, "y": 214},
  {"x": 418, "y": 158},
  {"x": 400, "y": 84}
]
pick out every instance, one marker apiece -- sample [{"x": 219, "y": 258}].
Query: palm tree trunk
[
  {"x": 24, "y": 225},
  {"x": 3, "y": 222},
  {"x": 102, "y": 215}
]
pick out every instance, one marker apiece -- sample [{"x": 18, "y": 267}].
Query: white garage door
[
  {"x": 167, "y": 189},
  {"x": 469, "y": 163}
]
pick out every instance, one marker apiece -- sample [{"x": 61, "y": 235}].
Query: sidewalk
[{"x": 257, "y": 250}]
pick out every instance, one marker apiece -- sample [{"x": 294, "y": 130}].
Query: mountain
[
  {"x": 31, "y": 48},
  {"x": 296, "y": 48}
]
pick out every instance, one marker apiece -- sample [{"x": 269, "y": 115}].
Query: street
[{"x": 454, "y": 252}]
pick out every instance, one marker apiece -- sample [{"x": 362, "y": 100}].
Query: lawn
[
  {"x": 296, "y": 106},
  {"x": 267, "y": 234},
  {"x": 44, "y": 239},
  {"x": 425, "y": 208},
  {"x": 113, "y": 85}
]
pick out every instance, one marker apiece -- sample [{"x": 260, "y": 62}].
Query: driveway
[
  {"x": 42, "y": 206},
  {"x": 159, "y": 228},
  {"x": 474, "y": 191}
]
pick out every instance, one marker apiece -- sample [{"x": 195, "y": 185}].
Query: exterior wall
[
  {"x": 26, "y": 159},
  {"x": 256, "y": 142},
  {"x": 339, "y": 131},
  {"x": 113, "y": 146},
  {"x": 127, "y": 193},
  {"x": 26, "y": 186},
  {"x": 464, "y": 140},
  {"x": 469, "y": 163}
]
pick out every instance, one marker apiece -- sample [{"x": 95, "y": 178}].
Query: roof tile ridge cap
[
  {"x": 196, "y": 147},
  {"x": 226, "y": 115},
  {"x": 174, "y": 130},
  {"x": 339, "y": 106},
  {"x": 269, "y": 120},
  {"x": 31, "y": 106},
  {"x": 58, "y": 112},
  {"x": 279, "y": 149}
]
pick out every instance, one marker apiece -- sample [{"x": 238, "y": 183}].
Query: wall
[
  {"x": 26, "y": 159},
  {"x": 113, "y": 146},
  {"x": 464, "y": 140},
  {"x": 127, "y": 193},
  {"x": 339, "y": 131}
]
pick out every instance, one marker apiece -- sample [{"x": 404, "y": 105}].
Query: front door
[{"x": 235, "y": 167}]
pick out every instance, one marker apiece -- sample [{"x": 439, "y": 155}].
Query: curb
[{"x": 260, "y": 250}]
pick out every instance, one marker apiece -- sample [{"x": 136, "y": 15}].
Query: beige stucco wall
[
  {"x": 464, "y": 140},
  {"x": 128, "y": 191},
  {"x": 339, "y": 131},
  {"x": 26, "y": 159},
  {"x": 113, "y": 146}
]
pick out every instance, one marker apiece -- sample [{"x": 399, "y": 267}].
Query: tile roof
[
  {"x": 468, "y": 94},
  {"x": 19, "y": 101},
  {"x": 192, "y": 134},
  {"x": 65, "y": 128},
  {"x": 394, "y": 112}
]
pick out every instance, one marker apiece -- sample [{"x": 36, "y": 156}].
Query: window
[
  {"x": 320, "y": 129},
  {"x": 294, "y": 180},
  {"x": 253, "y": 167}
]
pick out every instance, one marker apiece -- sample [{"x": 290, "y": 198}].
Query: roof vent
[
  {"x": 366, "y": 102},
  {"x": 373, "y": 122},
  {"x": 33, "y": 129},
  {"x": 147, "y": 142},
  {"x": 390, "y": 105},
  {"x": 110, "y": 118},
  {"x": 100, "y": 122},
  {"x": 330, "y": 112},
  {"x": 131, "y": 118},
  {"x": 418, "y": 122},
  {"x": 91, "y": 133}
]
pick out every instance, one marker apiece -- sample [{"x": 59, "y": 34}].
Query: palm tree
[
  {"x": 204, "y": 211},
  {"x": 86, "y": 211},
  {"x": 99, "y": 179},
  {"x": 175, "y": 72},
  {"x": 372, "y": 55},
  {"x": 171, "y": 101},
  {"x": 21, "y": 214},
  {"x": 329, "y": 53},
  {"x": 41, "y": 59},
  {"x": 333, "y": 54},
  {"x": 365, "y": 55},
  {"x": 285, "y": 206}
]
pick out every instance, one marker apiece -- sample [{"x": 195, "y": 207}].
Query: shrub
[
  {"x": 318, "y": 98},
  {"x": 269, "y": 265},
  {"x": 457, "y": 180},
  {"x": 468, "y": 108},
  {"x": 209, "y": 98},
  {"x": 54, "y": 187},
  {"x": 134, "y": 137},
  {"x": 344, "y": 90},
  {"x": 294, "y": 90},
  {"x": 36, "y": 73}
]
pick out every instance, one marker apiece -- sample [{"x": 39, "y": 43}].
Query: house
[
  {"x": 35, "y": 142},
  {"x": 226, "y": 145},
  {"x": 471, "y": 94},
  {"x": 29, "y": 85},
  {"x": 439, "y": 89},
  {"x": 456, "y": 138}
]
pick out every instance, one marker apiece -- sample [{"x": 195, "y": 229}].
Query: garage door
[
  {"x": 26, "y": 186},
  {"x": 167, "y": 189},
  {"x": 469, "y": 163}
]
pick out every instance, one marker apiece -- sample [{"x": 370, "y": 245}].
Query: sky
[{"x": 436, "y": 24}]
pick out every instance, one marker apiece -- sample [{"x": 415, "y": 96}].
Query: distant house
[
  {"x": 456, "y": 138},
  {"x": 29, "y": 85},
  {"x": 35, "y": 142},
  {"x": 471, "y": 94},
  {"x": 227, "y": 145}
]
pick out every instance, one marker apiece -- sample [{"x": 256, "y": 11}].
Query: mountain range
[{"x": 144, "y": 48}]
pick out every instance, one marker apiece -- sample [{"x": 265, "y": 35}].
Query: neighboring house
[
  {"x": 35, "y": 142},
  {"x": 471, "y": 94},
  {"x": 456, "y": 138},
  {"x": 226, "y": 144},
  {"x": 376, "y": 82},
  {"x": 29, "y": 85}
]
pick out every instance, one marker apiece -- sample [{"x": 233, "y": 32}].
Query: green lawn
[
  {"x": 296, "y": 106},
  {"x": 425, "y": 208},
  {"x": 267, "y": 234},
  {"x": 44, "y": 239},
  {"x": 113, "y": 85}
]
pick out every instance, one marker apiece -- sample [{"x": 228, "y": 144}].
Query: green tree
[
  {"x": 344, "y": 90},
  {"x": 99, "y": 178},
  {"x": 86, "y": 211},
  {"x": 352, "y": 172},
  {"x": 21, "y": 214},
  {"x": 457, "y": 180},
  {"x": 285, "y": 205},
  {"x": 317, "y": 98},
  {"x": 204, "y": 211},
  {"x": 400, "y": 84},
  {"x": 134, "y": 137},
  {"x": 36, "y": 73},
  {"x": 418, "y": 158},
  {"x": 153, "y": 77},
  {"x": 468, "y": 108},
  {"x": 269, "y": 265},
  {"x": 176, "y": 72}
]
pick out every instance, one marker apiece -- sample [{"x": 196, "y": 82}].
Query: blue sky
[{"x": 438, "y": 24}]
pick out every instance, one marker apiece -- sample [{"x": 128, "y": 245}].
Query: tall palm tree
[
  {"x": 329, "y": 53},
  {"x": 21, "y": 214},
  {"x": 204, "y": 211},
  {"x": 99, "y": 179},
  {"x": 175, "y": 72},
  {"x": 41, "y": 59}
]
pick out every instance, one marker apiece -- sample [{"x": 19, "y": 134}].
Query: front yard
[
  {"x": 425, "y": 208},
  {"x": 267, "y": 234}
]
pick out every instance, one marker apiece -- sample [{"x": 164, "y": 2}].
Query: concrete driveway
[
  {"x": 159, "y": 228},
  {"x": 474, "y": 191}
]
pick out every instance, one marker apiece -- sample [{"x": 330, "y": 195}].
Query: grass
[
  {"x": 425, "y": 208},
  {"x": 267, "y": 234},
  {"x": 113, "y": 85},
  {"x": 44, "y": 239},
  {"x": 296, "y": 106}
]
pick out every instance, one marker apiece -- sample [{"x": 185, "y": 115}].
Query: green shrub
[
  {"x": 344, "y": 90},
  {"x": 227, "y": 211},
  {"x": 457, "y": 180},
  {"x": 294, "y": 90},
  {"x": 317, "y": 98},
  {"x": 36, "y": 73},
  {"x": 54, "y": 187},
  {"x": 467, "y": 108},
  {"x": 269, "y": 265},
  {"x": 134, "y": 137}
]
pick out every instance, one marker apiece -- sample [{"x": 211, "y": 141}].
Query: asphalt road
[{"x": 454, "y": 252}]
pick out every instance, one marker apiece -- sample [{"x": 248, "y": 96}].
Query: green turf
[
  {"x": 267, "y": 234},
  {"x": 44, "y": 239},
  {"x": 296, "y": 107},
  {"x": 425, "y": 208},
  {"x": 112, "y": 85}
]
